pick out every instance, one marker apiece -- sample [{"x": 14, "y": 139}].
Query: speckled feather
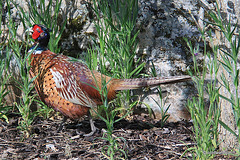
[{"x": 42, "y": 66}]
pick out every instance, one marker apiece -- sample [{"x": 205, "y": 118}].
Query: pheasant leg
[{"x": 93, "y": 127}]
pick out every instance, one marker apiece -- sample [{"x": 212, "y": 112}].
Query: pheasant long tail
[{"x": 125, "y": 84}]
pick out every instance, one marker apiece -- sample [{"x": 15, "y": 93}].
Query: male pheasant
[{"x": 69, "y": 86}]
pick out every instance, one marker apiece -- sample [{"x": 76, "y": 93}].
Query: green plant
[
  {"x": 24, "y": 83},
  {"x": 4, "y": 64},
  {"x": 117, "y": 42},
  {"x": 108, "y": 114},
  {"x": 205, "y": 118},
  {"x": 38, "y": 12},
  {"x": 113, "y": 54},
  {"x": 3, "y": 88},
  {"x": 230, "y": 63},
  {"x": 161, "y": 105},
  {"x": 44, "y": 110},
  {"x": 113, "y": 150}
]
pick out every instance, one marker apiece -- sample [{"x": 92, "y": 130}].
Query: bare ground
[{"x": 144, "y": 139}]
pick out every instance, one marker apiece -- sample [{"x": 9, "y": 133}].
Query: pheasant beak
[
  {"x": 29, "y": 30},
  {"x": 26, "y": 31}
]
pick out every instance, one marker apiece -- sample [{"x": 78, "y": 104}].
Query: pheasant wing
[{"x": 66, "y": 83}]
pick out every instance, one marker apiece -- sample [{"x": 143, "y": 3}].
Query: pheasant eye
[{"x": 42, "y": 34}]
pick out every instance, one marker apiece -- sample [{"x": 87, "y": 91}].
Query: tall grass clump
[
  {"x": 162, "y": 104},
  {"x": 206, "y": 117},
  {"x": 4, "y": 65},
  {"x": 36, "y": 12},
  {"x": 230, "y": 63},
  {"x": 113, "y": 150},
  {"x": 3, "y": 86},
  {"x": 24, "y": 83},
  {"x": 113, "y": 54},
  {"x": 117, "y": 41}
]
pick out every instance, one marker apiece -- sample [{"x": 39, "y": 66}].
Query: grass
[
  {"x": 19, "y": 50},
  {"x": 162, "y": 104},
  {"x": 117, "y": 43},
  {"x": 4, "y": 64},
  {"x": 230, "y": 63},
  {"x": 113, "y": 55},
  {"x": 113, "y": 150},
  {"x": 24, "y": 83},
  {"x": 206, "y": 117}
]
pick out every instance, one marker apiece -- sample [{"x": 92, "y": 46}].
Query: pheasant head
[{"x": 40, "y": 34}]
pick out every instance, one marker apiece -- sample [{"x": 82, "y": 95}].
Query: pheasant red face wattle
[{"x": 37, "y": 30}]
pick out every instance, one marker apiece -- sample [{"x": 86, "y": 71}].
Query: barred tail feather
[{"x": 125, "y": 84}]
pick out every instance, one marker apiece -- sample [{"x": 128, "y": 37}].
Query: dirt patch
[{"x": 144, "y": 139}]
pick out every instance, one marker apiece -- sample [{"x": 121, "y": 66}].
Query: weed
[
  {"x": 205, "y": 118},
  {"x": 41, "y": 12},
  {"x": 114, "y": 54},
  {"x": 4, "y": 64},
  {"x": 161, "y": 105},
  {"x": 230, "y": 63},
  {"x": 24, "y": 84},
  {"x": 117, "y": 42}
]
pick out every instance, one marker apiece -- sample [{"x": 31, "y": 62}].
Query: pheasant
[{"x": 69, "y": 86}]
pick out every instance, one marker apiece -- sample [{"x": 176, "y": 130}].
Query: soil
[{"x": 142, "y": 138}]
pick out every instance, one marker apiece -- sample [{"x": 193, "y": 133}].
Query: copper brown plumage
[{"x": 69, "y": 86}]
